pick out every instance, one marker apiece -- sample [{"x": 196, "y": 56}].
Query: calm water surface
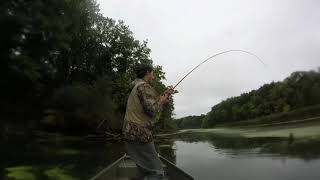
[
  {"x": 204, "y": 161},
  {"x": 204, "y": 157}
]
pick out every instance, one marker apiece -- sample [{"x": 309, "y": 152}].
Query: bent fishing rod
[{"x": 215, "y": 55}]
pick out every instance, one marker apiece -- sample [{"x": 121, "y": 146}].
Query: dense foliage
[
  {"x": 67, "y": 67},
  {"x": 300, "y": 89},
  {"x": 189, "y": 122},
  {"x": 301, "y": 115}
]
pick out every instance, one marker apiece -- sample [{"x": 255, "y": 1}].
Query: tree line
[
  {"x": 67, "y": 67},
  {"x": 189, "y": 122},
  {"x": 301, "y": 89}
]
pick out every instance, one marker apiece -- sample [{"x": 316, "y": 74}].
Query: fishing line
[{"x": 224, "y": 52}]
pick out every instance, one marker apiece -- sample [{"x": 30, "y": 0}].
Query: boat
[{"x": 124, "y": 169}]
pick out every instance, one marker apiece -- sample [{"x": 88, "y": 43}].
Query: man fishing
[{"x": 142, "y": 107}]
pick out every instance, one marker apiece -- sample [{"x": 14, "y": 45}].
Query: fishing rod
[{"x": 233, "y": 50}]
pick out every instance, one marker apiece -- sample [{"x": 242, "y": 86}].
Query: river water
[{"x": 206, "y": 157}]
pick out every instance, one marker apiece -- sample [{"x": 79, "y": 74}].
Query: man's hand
[
  {"x": 169, "y": 91},
  {"x": 163, "y": 99}
]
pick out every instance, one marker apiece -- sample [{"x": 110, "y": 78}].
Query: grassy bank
[
  {"x": 237, "y": 141},
  {"x": 279, "y": 131},
  {"x": 303, "y": 129},
  {"x": 302, "y": 115}
]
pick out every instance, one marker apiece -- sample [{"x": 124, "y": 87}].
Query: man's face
[{"x": 149, "y": 77}]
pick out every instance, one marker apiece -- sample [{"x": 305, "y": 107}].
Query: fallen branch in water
[
  {"x": 113, "y": 137},
  {"x": 106, "y": 136}
]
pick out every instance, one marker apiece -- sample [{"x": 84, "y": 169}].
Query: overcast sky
[{"x": 285, "y": 34}]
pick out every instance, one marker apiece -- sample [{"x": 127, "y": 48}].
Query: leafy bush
[{"x": 81, "y": 106}]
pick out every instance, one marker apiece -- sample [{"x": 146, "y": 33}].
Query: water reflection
[
  {"x": 212, "y": 156},
  {"x": 205, "y": 162},
  {"x": 205, "y": 156},
  {"x": 167, "y": 148},
  {"x": 306, "y": 149}
]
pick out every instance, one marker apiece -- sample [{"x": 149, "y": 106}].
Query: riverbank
[
  {"x": 306, "y": 114},
  {"x": 299, "y": 129}
]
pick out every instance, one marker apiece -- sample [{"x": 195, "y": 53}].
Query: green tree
[
  {"x": 65, "y": 61},
  {"x": 300, "y": 89}
]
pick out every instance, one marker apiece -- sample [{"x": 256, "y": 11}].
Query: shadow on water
[
  {"x": 55, "y": 158},
  {"x": 63, "y": 158}
]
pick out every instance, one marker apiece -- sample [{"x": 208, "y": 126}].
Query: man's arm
[{"x": 149, "y": 101}]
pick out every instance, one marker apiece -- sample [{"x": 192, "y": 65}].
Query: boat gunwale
[
  {"x": 125, "y": 156},
  {"x": 175, "y": 166},
  {"x": 109, "y": 167}
]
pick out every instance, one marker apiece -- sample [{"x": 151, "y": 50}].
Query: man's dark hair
[{"x": 142, "y": 70}]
